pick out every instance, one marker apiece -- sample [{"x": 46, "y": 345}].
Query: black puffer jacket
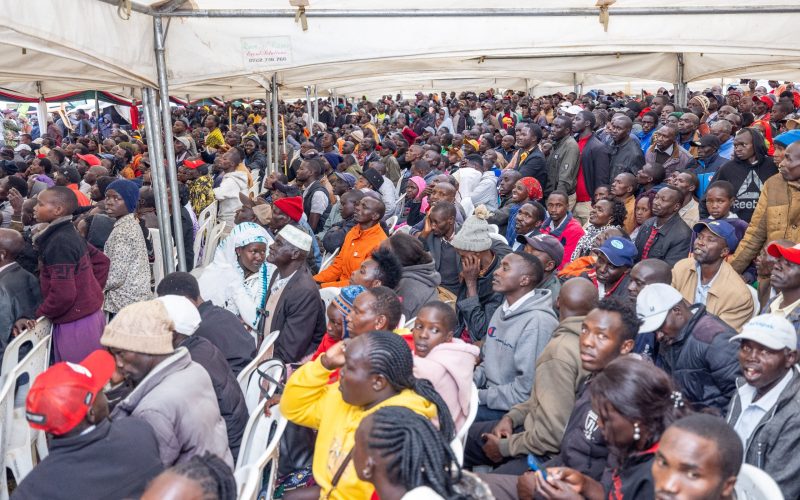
[
  {"x": 703, "y": 361},
  {"x": 230, "y": 398}
]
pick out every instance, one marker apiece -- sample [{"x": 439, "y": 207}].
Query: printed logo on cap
[
  {"x": 80, "y": 369},
  {"x": 617, "y": 244}
]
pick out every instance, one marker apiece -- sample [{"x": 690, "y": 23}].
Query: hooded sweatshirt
[
  {"x": 545, "y": 414},
  {"x": 308, "y": 398},
  {"x": 418, "y": 287},
  {"x": 449, "y": 368},
  {"x": 513, "y": 343},
  {"x": 748, "y": 179}
]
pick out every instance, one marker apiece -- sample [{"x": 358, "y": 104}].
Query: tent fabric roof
[{"x": 353, "y": 46}]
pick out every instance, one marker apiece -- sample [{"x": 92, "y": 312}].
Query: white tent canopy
[{"x": 354, "y": 47}]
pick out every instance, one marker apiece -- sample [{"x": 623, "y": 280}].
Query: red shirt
[{"x": 581, "y": 194}]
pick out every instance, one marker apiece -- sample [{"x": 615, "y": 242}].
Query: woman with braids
[
  {"x": 376, "y": 370},
  {"x": 406, "y": 458},
  {"x": 204, "y": 477},
  {"x": 603, "y": 215},
  {"x": 634, "y": 402}
]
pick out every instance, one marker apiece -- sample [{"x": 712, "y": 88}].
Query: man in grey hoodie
[{"x": 517, "y": 334}]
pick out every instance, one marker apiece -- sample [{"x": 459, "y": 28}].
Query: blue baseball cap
[
  {"x": 619, "y": 251},
  {"x": 787, "y": 138},
  {"x": 719, "y": 228}
]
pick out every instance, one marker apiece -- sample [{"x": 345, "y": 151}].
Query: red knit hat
[{"x": 292, "y": 207}]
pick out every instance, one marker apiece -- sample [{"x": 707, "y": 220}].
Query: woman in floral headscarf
[
  {"x": 527, "y": 188},
  {"x": 238, "y": 277}
]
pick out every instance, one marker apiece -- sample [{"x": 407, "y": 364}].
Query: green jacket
[{"x": 562, "y": 166}]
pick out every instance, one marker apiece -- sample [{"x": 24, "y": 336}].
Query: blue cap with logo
[
  {"x": 719, "y": 228},
  {"x": 619, "y": 251}
]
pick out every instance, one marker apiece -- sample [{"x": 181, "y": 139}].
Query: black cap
[
  {"x": 71, "y": 173},
  {"x": 373, "y": 177},
  {"x": 706, "y": 141}
]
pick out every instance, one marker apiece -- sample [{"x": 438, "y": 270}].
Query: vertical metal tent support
[
  {"x": 680, "y": 87},
  {"x": 155, "y": 152},
  {"x": 276, "y": 131},
  {"x": 97, "y": 113},
  {"x": 316, "y": 105},
  {"x": 272, "y": 165},
  {"x": 169, "y": 145},
  {"x": 310, "y": 113}
]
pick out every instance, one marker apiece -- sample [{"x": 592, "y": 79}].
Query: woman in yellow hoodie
[{"x": 376, "y": 370}]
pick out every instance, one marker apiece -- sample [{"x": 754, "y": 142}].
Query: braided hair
[
  {"x": 416, "y": 454},
  {"x": 390, "y": 356},
  {"x": 213, "y": 475},
  {"x": 619, "y": 214}
]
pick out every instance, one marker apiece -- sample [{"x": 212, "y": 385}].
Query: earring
[{"x": 636, "y": 434}]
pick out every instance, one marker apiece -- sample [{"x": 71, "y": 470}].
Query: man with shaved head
[
  {"x": 626, "y": 155},
  {"x": 19, "y": 289}
]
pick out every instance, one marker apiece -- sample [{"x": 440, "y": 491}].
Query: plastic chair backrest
[
  {"x": 328, "y": 260},
  {"x": 257, "y": 386},
  {"x": 756, "y": 304},
  {"x": 6, "y": 418},
  {"x": 247, "y": 480},
  {"x": 498, "y": 237},
  {"x": 410, "y": 323},
  {"x": 270, "y": 455},
  {"x": 460, "y": 441},
  {"x": 208, "y": 213},
  {"x": 398, "y": 186},
  {"x": 265, "y": 349},
  {"x": 403, "y": 229},
  {"x": 158, "y": 261},
  {"x": 199, "y": 239},
  {"x": 256, "y": 439},
  {"x": 214, "y": 235},
  {"x": 753, "y": 483},
  {"x": 494, "y": 228},
  {"x": 26, "y": 339},
  {"x": 390, "y": 223},
  {"x": 398, "y": 207},
  {"x": 328, "y": 294}
]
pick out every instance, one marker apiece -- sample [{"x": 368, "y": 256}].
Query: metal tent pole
[
  {"x": 680, "y": 87},
  {"x": 156, "y": 154},
  {"x": 97, "y": 114},
  {"x": 271, "y": 163},
  {"x": 169, "y": 145},
  {"x": 275, "y": 126},
  {"x": 316, "y": 105},
  {"x": 310, "y": 113}
]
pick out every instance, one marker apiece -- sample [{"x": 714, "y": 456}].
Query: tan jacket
[
  {"x": 729, "y": 296},
  {"x": 545, "y": 414},
  {"x": 777, "y": 216}
]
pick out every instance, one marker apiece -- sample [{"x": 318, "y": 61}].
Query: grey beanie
[{"x": 474, "y": 233}]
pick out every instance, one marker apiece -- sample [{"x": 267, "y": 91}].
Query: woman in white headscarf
[{"x": 239, "y": 275}]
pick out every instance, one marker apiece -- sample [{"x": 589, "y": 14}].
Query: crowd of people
[{"x": 614, "y": 282}]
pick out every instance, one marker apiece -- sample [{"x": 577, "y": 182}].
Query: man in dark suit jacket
[
  {"x": 530, "y": 160},
  {"x": 20, "y": 294},
  {"x": 293, "y": 303},
  {"x": 664, "y": 236}
]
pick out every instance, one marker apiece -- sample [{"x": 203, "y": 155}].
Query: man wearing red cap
[
  {"x": 359, "y": 243},
  {"x": 91, "y": 457},
  {"x": 785, "y": 278}
]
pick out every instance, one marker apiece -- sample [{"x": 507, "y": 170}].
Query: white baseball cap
[
  {"x": 182, "y": 312},
  {"x": 654, "y": 303},
  {"x": 573, "y": 110},
  {"x": 770, "y": 330}
]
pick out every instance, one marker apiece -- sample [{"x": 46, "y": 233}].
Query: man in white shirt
[{"x": 765, "y": 410}]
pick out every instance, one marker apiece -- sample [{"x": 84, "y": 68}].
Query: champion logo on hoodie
[{"x": 491, "y": 331}]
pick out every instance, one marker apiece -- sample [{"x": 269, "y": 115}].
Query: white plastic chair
[
  {"x": 6, "y": 408},
  {"x": 265, "y": 349},
  {"x": 399, "y": 203},
  {"x": 390, "y": 223},
  {"x": 756, "y": 304},
  {"x": 256, "y": 439},
  {"x": 208, "y": 213},
  {"x": 213, "y": 237},
  {"x": 494, "y": 228},
  {"x": 398, "y": 185},
  {"x": 328, "y": 260},
  {"x": 257, "y": 386},
  {"x": 199, "y": 239},
  {"x": 403, "y": 229},
  {"x": 20, "y": 439},
  {"x": 31, "y": 337},
  {"x": 158, "y": 262},
  {"x": 468, "y": 207},
  {"x": 460, "y": 441},
  {"x": 253, "y": 191},
  {"x": 328, "y": 294},
  {"x": 247, "y": 479},
  {"x": 498, "y": 237},
  {"x": 410, "y": 323},
  {"x": 753, "y": 483}
]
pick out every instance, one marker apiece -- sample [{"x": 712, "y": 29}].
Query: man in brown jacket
[
  {"x": 705, "y": 278},
  {"x": 537, "y": 425},
  {"x": 777, "y": 214}
]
